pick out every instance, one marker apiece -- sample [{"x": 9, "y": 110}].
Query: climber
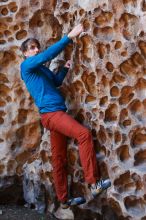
[{"x": 42, "y": 85}]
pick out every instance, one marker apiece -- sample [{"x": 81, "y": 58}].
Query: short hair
[{"x": 26, "y": 43}]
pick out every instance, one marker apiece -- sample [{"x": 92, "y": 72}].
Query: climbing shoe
[
  {"x": 100, "y": 186},
  {"x": 73, "y": 202}
]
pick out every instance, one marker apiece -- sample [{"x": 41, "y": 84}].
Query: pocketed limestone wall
[{"x": 105, "y": 90}]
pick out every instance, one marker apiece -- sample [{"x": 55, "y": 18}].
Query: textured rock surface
[{"x": 105, "y": 90}]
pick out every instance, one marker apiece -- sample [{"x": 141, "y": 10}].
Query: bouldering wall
[{"x": 105, "y": 90}]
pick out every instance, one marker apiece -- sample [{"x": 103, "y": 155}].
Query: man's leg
[
  {"x": 59, "y": 163},
  {"x": 61, "y": 122}
]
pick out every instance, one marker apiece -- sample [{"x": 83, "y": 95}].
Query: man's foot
[
  {"x": 73, "y": 202},
  {"x": 100, "y": 186}
]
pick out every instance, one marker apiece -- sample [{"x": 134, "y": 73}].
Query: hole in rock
[
  {"x": 44, "y": 155},
  {"x": 101, "y": 49},
  {"x": 118, "y": 45},
  {"x": 2, "y": 103},
  {"x": 123, "y": 115},
  {"x": 109, "y": 66},
  {"x": 136, "y": 106},
  {"x": 104, "y": 18},
  {"x": 126, "y": 95},
  {"x": 90, "y": 98},
  {"x": 102, "y": 135},
  {"x": 127, "y": 19},
  {"x": 9, "y": 19},
  {"x": 127, "y": 68},
  {"x": 124, "y": 53},
  {"x": 12, "y": 6},
  {"x": 90, "y": 83},
  {"x": 10, "y": 39},
  {"x": 143, "y": 5},
  {"x": 7, "y": 58},
  {"x": 22, "y": 13},
  {"x": 140, "y": 88},
  {"x": 4, "y": 11},
  {"x": 114, "y": 92},
  {"x": 135, "y": 206},
  {"x": 21, "y": 34},
  {"x": 111, "y": 113},
  {"x": 65, "y": 17},
  {"x": 7, "y": 33},
  {"x": 103, "y": 101},
  {"x": 138, "y": 181},
  {"x": 117, "y": 137},
  {"x": 72, "y": 157},
  {"x": 22, "y": 115},
  {"x": 1, "y": 35},
  {"x": 81, "y": 12},
  {"x": 116, "y": 207},
  {"x": 11, "y": 165},
  {"x": 123, "y": 153},
  {"x": 104, "y": 170},
  {"x": 86, "y": 25},
  {"x": 138, "y": 138},
  {"x": 2, "y": 41},
  {"x": 127, "y": 122},
  {"x": 137, "y": 59},
  {"x": 140, "y": 157},
  {"x": 9, "y": 99},
  {"x": 86, "y": 45},
  {"x": 65, "y": 5},
  {"x": 80, "y": 116},
  {"x": 142, "y": 46},
  {"x": 104, "y": 34},
  {"x": 124, "y": 183},
  {"x": 1, "y": 120},
  {"x": 118, "y": 78},
  {"x": 4, "y": 90},
  {"x": 16, "y": 27}
]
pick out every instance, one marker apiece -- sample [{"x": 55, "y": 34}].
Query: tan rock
[{"x": 106, "y": 91}]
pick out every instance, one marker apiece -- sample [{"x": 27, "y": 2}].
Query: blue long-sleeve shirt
[{"x": 41, "y": 82}]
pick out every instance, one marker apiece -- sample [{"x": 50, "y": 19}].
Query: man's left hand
[{"x": 68, "y": 64}]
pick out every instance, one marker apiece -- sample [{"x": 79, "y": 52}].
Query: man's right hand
[
  {"x": 68, "y": 64},
  {"x": 75, "y": 31}
]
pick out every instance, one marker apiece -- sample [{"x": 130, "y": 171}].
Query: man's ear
[{"x": 25, "y": 53}]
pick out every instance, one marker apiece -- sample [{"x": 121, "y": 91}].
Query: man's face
[{"x": 32, "y": 50}]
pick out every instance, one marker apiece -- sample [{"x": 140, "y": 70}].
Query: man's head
[{"x": 30, "y": 47}]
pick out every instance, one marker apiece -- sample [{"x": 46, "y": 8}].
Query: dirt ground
[{"x": 14, "y": 212}]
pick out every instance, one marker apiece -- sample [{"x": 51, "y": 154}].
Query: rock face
[{"x": 105, "y": 91}]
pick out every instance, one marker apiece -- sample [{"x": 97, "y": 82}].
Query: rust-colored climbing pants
[{"x": 62, "y": 125}]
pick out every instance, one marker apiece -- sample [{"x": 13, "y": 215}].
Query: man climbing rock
[{"x": 43, "y": 85}]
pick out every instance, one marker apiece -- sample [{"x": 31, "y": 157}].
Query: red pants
[{"x": 61, "y": 125}]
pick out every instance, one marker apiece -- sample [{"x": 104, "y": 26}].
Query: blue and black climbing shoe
[
  {"x": 73, "y": 202},
  {"x": 100, "y": 186}
]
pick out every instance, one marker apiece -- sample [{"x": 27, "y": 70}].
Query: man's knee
[
  {"x": 85, "y": 134},
  {"x": 59, "y": 162}
]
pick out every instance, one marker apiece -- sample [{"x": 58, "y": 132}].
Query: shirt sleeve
[
  {"x": 59, "y": 76},
  {"x": 48, "y": 54}
]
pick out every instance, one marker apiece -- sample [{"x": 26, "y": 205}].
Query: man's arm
[
  {"x": 48, "y": 54},
  {"x": 59, "y": 76},
  {"x": 52, "y": 51}
]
